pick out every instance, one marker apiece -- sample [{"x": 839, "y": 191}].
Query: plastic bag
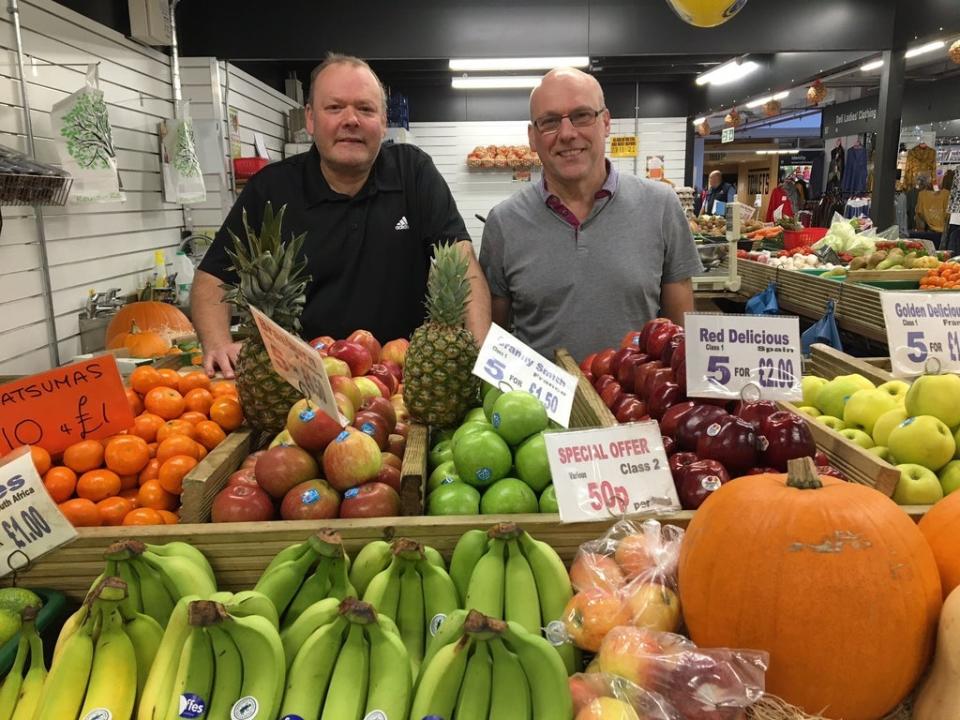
[
  {"x": 764, "y": 302},
  {"x": 182, "y": 175},
  {"x": 627, "y": 577},
  {"x": 823, "y": 331},
  {"x": 597, "y": 696},
  {"x": 694, "y": 683}
]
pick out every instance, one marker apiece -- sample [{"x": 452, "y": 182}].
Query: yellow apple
[
  {"x": 887, "y": 422},
  {"x": 936, "y": 395}
]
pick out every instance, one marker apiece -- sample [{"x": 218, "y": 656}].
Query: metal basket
[{"x": 25, "y": 189}]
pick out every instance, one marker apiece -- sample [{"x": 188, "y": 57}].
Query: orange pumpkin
[
  {"x": 144, "y": 344},
  {"x": 941, "y": 528},
  {"x": 161, "y": 318},
  {"x": 831, "y": 578}
]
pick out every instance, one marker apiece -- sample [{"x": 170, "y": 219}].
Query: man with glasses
[{"x": 585, "y": 255}]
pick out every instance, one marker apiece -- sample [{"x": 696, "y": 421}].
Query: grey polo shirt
[{"x": 583, "y": 286}]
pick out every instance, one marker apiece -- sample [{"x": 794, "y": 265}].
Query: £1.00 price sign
[
  {"x": 30, "y": 523},
  {"x": 728, "y": 353},
  {"x": 610, "y": 472},
  {"x": 508, "y": 364},
  {"x": 923, "y": 332}
]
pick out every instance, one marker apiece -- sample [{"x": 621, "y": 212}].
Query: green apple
[
  {"x": 956, "y": 439},
  {"x": 882, "y": 452},
  {"x": 834, "y": 423},
  {"x": 517, "y": 415},
  {"x": 489, "y": 399},
  {"x": 887, "y": 422},
  {"x": 548, "y": 500},
  {"x": 509, "y": 496},
  {"x": 810, "y": 385},
  {"x": 468, "y": 429},
  {"x": 833, "y": 396},
  {"x": 442, "y": 452},
  {"x": 897, "y": 389},
  {"x": 455, "y": 498},
  {"x": 917, "y": 486},
  {"x": 858, "y": 437},
  {"x": 950, "y": 476},
  {"x": 475, "y": 415},
  {"x": 922, "y": 440},
  {"x": 443, "y": 472},
  {"x": 482, "y": 458},
  {"x": 809, "y": 410},
  {"x": 937, "y": 395},
  {"x": 864, "y": 408},
  {"x": 532, "y": 464}
]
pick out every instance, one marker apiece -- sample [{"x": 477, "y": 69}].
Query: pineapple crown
[
  {"x": 271, "y": 277},
  {"x": 448, "y": 289}
]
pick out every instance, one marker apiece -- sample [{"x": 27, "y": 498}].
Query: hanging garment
[
  {"x": 900, "y": 212},
  {"x": 835, "y": 173},
  {"x": 953, "y": 204},
  {"x": 931, "y": 210},
  {"x": 777, "y": 198},
  {"x": 855, "y": 171},
  {"x": 921, "y": 160}
]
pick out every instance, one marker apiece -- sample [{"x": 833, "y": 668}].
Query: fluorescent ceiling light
[
  {"x": 699, "y": 121},
  {"x": 484, "y": 83},
  {"x": 775, "y": 152},
  {"x": 728, "y": 72},
  {"x": 873, "y": 65},
  {"x": 532, "y": 63},
  {"x": 929, "y": 47},
  {"x": 764, "y": 100}
]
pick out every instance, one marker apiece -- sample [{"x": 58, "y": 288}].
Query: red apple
[
  {"x": 697, "y": 480},
  {"x": 383, "y": 374},
  {"x": 669, "y": 444},
  {"x": 334, "y": 367},
  {"x": 628, "y": 368},
  {"x": 677, "y": 343},
  {"x": 353, "y": 458},
  {"x": 310, "y": 500},
  {"x": 384, "y": 408},
  {"x": 396, "y": 444},
  {"x": 655, "y": 379},
  {"x": 401, "y": 428},
  {"x": 243, "y": 476},
  {"x": 643, "y": 340},
  {"x": 631, "y": 340},
  {"x": 371, "y": 387},
  {"x": 694, "y": 423},
  {"x": 587, "y": 363},
  {"x": 760, "y": 471},
  {"x": 679, "y": 356},
  {"x": 396, "y": 351},
  {"x": 373, "y": 425},
  {"x": 388, "y": 458},
  {"x": 348, "y": 388},
  {"x": 240, "y": 502},
  {"x": 756, "y": 412},
  {"x": 611, "y": 393},
  {"x": 601, "y": 363},
  {"x": 366, "y": 339},
  {"x": 403, "y": 415},
  {"x": 589, "y": 377},
  {"x": 671, "y": 418},
  {"x": 678, "y": 461},
  {"x": 322, "y": 344},
  {"x": 831, "y": 471},
  {"x": 354, "y": 355},
  {"x": 820, "y": 458},
  {"x": 731, "y": 441},
  {"x": 680, "y": 371},
  {"x": 310, "y": 427},
  {"x": 640, "y": 376},
  {"x": 632, "y": 411},
  {"x": 624, "y": 396},
  {"x": 618, "y": 357},
  {"x": 659, "y": 337},
  {"x": 251, "y": 459},
  {"x": 282, "y": 467},
  {"x": 663, "y": 398},
  {"x": 788, "y": 437},
  {"x": 601, "y": 382},
  {"x": 345, "y": 406},
  {"x": 375, "y": 499},
  {"x": 395, "y": 369}
]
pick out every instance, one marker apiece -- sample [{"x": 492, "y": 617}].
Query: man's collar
[
  {"x": 608, "y": 189},
  {"x": 384, "y": 177}
]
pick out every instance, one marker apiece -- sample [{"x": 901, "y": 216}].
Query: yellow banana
[
  {"x": 439, "y": 595},
  {"x": 66, "y": 684},
  {"x": 411, "y": 615},
  {"x": 510, "y": 692},
  {"x": 187, "y": 551},
  {"x": 314, "y": 589},
  {"x": 291, "y": 552},
  {"x": 315, "y": 617},
  {"x": 181, "y": 575},
  {"x": 158, "y": 603},
  {"x": 340, "y": 585},
  {"x": 159, "y": 684},
  {"x": 32, "y": 687},
  {"x": 228, "y": 674},
  {"x": 251, "y": 602},
  {"x": 113, "y": 678},
  {"x": 383, "y": 591},
  {"x": 264, "y": 667},
  {"x": 450, "y": 631},
  {"x": 434, "y": 557},
  {"x": 282, "y": 582},
  {"x": 70, "y": 626},
  {"x": 146, "y": 635},
  {"x": 10, "y": 690},
  {"x": 193, "y": 683}
]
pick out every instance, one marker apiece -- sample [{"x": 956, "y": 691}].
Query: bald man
[
  {"x": 718, "y": 191},
  {"x": 587, "y": 254}
]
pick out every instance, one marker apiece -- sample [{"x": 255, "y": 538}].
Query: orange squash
[
  {"x": 831, "y": 578},
  {"x": 941, "y": 528},
  {"x": 145, "y": 344},
  {"x": 161, "y": 318}
]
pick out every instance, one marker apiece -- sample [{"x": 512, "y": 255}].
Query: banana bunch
[
  {"x": 19, "y": 693},
  {"x": 345, "y": 662},
  {"x": 213, "y": 664},
  {"x": 101, "y": 660},
  {"x": 413, "y": 592},
  {"x": 157, "y": 576},
  {"x": 374, "y": 558},
  {"x": 306, "y": 573},
  {"x": 506, "y": 574},
  {"x": 477, "y": 668}
]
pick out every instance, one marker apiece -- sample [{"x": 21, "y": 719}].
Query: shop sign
[
  {"x": 923, "y": 332},
  {"x": 623, "y": 146},
  {"x": 609, "y": 473},
  {"x": 31, "y": 525},
  {"x": 82, "y": 401},
  {"x": 726, "y": 136},
  {"x": 851, "y": 118},
  {"x": 509, "y": 364},
  {"x": 754, "y": 357}
]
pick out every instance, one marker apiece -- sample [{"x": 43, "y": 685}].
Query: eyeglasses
[{"x": 550, "y": 124}]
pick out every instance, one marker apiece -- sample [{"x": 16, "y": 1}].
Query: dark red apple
[
  {"x": 388, "y": 458},
  {"x": 373, "y": 425},
  {"x": 666, "y": 396},
  {"x": 601, "y": 363},
  {"x": 679, "y": 355},
  {"x": 628, "y": 367},
  {"x": 655, "y": 379},
  {"x": 241, "y": 503},
  {"x": 675, "y": 343},
  {"x": 643, "y": 340},
  {"x": 243, "y": 476},
  {"x": 402, "y": 428},
  {"x": 756, "y": 412},
  {"x": 624, "y": 396},
  {"x": 611, "y": 393},
  {"x": 631, "y": 340},
  {"x": 697, "y": 480},
  {"x": 680, "y": 372},
  {"x": 669, "y": 444},
  {"x": 760, "y": 471},
  {"x": 820, "y": 458},
  {"x": 589, "y": 377},
  {"x": 671, "y": 418},
  {"x": 381, "y": 386},
  {"x": 396, "y": 444},
  {"x": 731, "y": 441},
  {"x": 373, "y": 499},
  {"x": 282, "y": 467},
  {"x": 310, "y": 427},
  {"x": 586, "y": 364},
  {"x": 311, "y": 500},
  {"x": 788, "y": 437},
  {"x": 676, "y": 461},
  {"x": 322, "y": 344},
  {"x": 388, "y": 475},
  {"x": 251, "y": 459},
  {"x": 831, "y": 471},
  {"x": 659, "y": 337},
  {"x": 618, "y": 357},
  {"x": 694, "y": 423},
  {"x": 356, "y": 356},
  {"x": 395, "y": 369},
  {"x": 632, "y": 411},
  {"x": 601, "y": 382},
  {"x": 382, "y": 373},
  {"x": 384, "y": 408},
  {"x": 367, "y": 340},
  {"x": 640, "y": 376}
]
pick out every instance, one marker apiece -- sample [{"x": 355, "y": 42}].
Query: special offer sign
[{"x": 610, "y": 472}]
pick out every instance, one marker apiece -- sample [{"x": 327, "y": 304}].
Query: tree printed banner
[{"x": 182, "y": 176}]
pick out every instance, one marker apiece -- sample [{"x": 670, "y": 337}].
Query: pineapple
[
  {"x": 273, "y": 280},
  {"x": 438, "y": 386}
]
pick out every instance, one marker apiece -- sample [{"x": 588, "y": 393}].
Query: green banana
[
  {"x": 194, "y": 678},
  {"x": 31, "y": 688},
  {"x": 146, "y": 635},
  {"x": 292, "y": 552},
  {"x": 520, "y": 600},
  {"x": 158, "y": 603},
  {"x": 390, "y": 685},
  {"x": 159, "y": 684},
  {"x": 309, "y": 674},
  {"x": 10, "y": 690},
  {"x": 113, "y": 676},
  {"x": 439, "y": 594},
  {"x": 471, "y": 546},
  {"x": 485, "y": 591},
  {"x": 383, "y": 592},
  {"x": 340, "y": 585},
  {"x": 473, "y": 703},
  {"x": 411, "y": 615},
  {"x": 439, "y": 683},
  {"x": 264, "y": 667},
  {"x": 510, "y": 693},
  {"x": 450, "y": 631},
  {"x": 314, "y": 589},
  {"x": 188, "y": 552},
  {"x": 221, "y": 596},
  {"x": 549, "y": 690},
  {"x": 372, "y": 559},
  {"x": 388, "y": 625},
  {"x": 227, "y": 675},
  {"x": 66, "y": 683},
  {"x": 282, "y": 582},
  {"x": 312, "y": 619},
  {"x": 434, "y": 557},
  {"x": 347, "y": 694},
  {"x": 133, "y": 602},
  {"x": 181, "y": 574},
  {"x": 252, "y": 602}
]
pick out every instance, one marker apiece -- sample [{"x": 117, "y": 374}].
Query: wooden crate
[
  {"x": 588, "y": 409},
  {"x": 827, "y": 362},
  {"x": 202, "y": 484},
  {"x": 414, "y": 474}
]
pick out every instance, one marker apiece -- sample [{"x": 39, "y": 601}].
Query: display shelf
[{"x": 201, "y": 485}]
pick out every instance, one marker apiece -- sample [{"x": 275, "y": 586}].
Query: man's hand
[{"x": 224, "y": 358}]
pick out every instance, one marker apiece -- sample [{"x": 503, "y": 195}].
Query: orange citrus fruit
[
  {"x": 83, "y": 456},
  {"x": 60, "y": 482},
  {"x": 152, "y": 495},
  {"x": 165, "y": 402},
  {"x": 97, "y": 485},
  {"x": 209, "y": 434},
  {"x": 143, "y": 516},
  {"x": 178, "y": 445},
  {"x": 81, "y": 512},
  {"x": 144, "y": 379},
  {"x": 173, "y": 471},
  {"x": 113, "y": 510},
  {"x": 127, "y": 455},
  {"x": 41, "y": 459},
  {"x": 226, "y": 412}
]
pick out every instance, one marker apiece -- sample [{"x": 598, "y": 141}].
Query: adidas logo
[{"x": 402, "y": 224}]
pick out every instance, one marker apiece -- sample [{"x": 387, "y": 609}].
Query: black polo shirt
[{"x": 367, "y": 256}]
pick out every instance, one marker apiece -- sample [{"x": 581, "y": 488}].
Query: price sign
[
  {"x": 298, "y": 363},
  {"x": 728, "y": 353},
  {"x": 81, "y": 401},
  {"x": 610, "y": 472},
  {"x": 508, "y": 364},
  {"x": 726, "y": 135},
  {"x": 923, "y": 332},
  {"x": 30, "y": 523}
]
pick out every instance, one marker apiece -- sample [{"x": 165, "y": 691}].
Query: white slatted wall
[
  {"x": 477, "y": 191},
  {"x": 89, "y": 246}
]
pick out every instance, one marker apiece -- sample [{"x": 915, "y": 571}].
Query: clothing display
[
  {"x": 921, "y": 160},
  {"x": 932, "y": 209},
  {"x": 855, "y": 170},
  {"x": 777, "y": 198},
  {"x": 835, "y": 173},
  {"x": 900, "y": 212},
  {"x": 953, "y": 204},
  {"x": 857, "y": 207}
]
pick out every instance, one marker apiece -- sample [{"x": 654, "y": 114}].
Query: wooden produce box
[
  {"x": 588, "y": 409},
  {"x": 827, "y": 362}
]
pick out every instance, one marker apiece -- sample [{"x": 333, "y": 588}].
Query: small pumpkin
[
  {"x": 941, "y": 527},
  {"x": 831, "y": 578},
  {"x": 939, "y": 697},
  {"x": 145, "y": 344},
  {"x": 160, "y": 317},
  {"x": 954, "y": 52}
]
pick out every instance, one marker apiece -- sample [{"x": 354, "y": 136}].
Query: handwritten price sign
[
  {"x": 30, "y": 523},
  {"x": 82, "y": 401},
  {"x": 610, "y": 472},
  {"x": 508, "y": 364},
  {"x": 923, "y": 332}
]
